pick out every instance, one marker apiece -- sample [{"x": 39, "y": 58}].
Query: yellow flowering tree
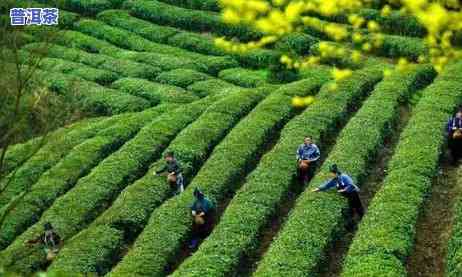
[{"x": 442, "y": 20}]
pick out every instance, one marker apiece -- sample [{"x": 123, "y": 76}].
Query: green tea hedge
[
  {"x": 192, "y": 41},
  {"x": 95, "y": 192},
  {"x": 211, "y": 5},
  {"x": 122, "y": 19},
  {"x": 396, "y": 23},
  {"x": 296, "y": 43},
  {"x": 122, "y": 67},
  {"x": 317, "y": 219},
  {"x": 181, "y": 77},
  {"x": 169, "y": 225},
  {"x": 155, "y": 92},
  {"x": 160, "y": 55},
  {"x": 195, "y": 20},
  {"x": 47, "y": 157},
  {"x": 64, "y": 175},
  {"x": 19, "y": 153},
  {"x": 345, "y": 60},
  {"x": 244, "y": 77},
  {"x": 85, "y": 7},
  {"x": 385, "y": 237},
  {"x": 211, "y": 86},
  {"x": 454, "y": 250},
  {"x": 94, "y": 99},
  {"x": 393, "y": 46},
  {"x": 100, "y": 76}
]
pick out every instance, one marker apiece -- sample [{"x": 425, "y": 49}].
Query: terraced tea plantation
[{"x": 152, "y": 80}]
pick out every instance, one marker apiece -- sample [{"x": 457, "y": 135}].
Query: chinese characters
[{"x": 34, "y": 16}]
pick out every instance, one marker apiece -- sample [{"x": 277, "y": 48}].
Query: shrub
[
  {"x": 211, "y": 5},
  {"x": 345, "y": 60},
  {"x": 232, "y": 158},
  {"x": 94, "y": 99},
  {"x": 211, "y": 86},
  {"x": 393, "y": 46},
  {"x": 379, "y": 113},
  {"x": 195, "y": 20},
  {"x": 279, "y": 73},
  {"x": 387, "y": 231},
  {"x": 453, "y": 255},
  {"x": 76, "y": 164},
  {"x": 125, "y": 39},
  {"x": 165, "y": 62},
  {"x": 123, "y": 67},
  {"x": 45, "y": 158},
  {"x": 100, "y": 76},
  {"x": 19, "y": 153},
  {"x": 131, "y": 210},
  {"x": 258, "y": 58},
  {"x": 87, "y": 43},
  {"x": 187, "y": 40},
  {"x": 155, "y": 92},
  {"x": 296, "y": 43},
  {"x": 122, "y": 19},
  {"x": 92, "y": 194},
  {"x": 244, "y": 77},
  {"x": 396, "y": 23},
  {"x": 196, "y": 42},
  {"x": 85, "y": 7},
  {"x": 181, "y": 77},
  {"x": 396, "y": 46}
]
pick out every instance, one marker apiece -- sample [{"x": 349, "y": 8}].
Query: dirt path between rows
[{"x": 434, "y": 225}]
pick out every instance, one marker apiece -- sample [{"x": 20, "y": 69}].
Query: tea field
[{"x": 152, "y": 80}]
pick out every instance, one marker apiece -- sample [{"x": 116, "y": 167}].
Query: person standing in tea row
[{"x": 307, "y": 156}]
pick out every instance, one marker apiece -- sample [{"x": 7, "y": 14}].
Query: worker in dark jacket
[
  {"x": 202, "y": 211},
  {"x": 174, "y": 172},
  {"x": 346, "y": 187},
  {"x": 454, "y": 129},
  {"x": 50, "y": 241},
  {"x": 307, "y": 156}
]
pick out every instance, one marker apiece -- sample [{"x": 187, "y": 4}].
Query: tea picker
[{"x": 307, "y": 156}]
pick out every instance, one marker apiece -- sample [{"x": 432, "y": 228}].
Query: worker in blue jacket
[
  {"x": 346, "y": 187},
  {"x": 202, "y": 211},
  {"x": 307, "y": 156},
  {"x": 454, "y": 129}
]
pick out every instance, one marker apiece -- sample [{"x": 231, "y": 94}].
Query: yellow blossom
[
  {"x": 373, "y": 26},
  {"x": 231, "y": 17},
  {"x": 356, "y": 56},
  {"x": 357, "y": 37},
  {"x": 387, "y": 72},
  {"x": 386, "y": 11},
  {"x": 308, "y": 100},
  {"x": 333, "y": 86},
  {"x": 298, "y": 102},
  {"x": 340, "y": 74},
  {"x": 366, "y": 47}
]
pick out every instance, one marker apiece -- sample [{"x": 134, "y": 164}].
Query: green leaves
[
  {"x": 244, "y": 77},
  {"x": 181, "y": 77}
]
